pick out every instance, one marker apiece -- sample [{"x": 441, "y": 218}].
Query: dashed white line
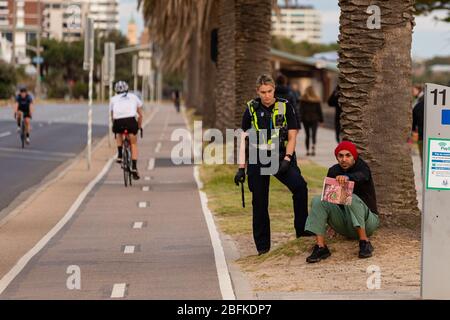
[
  {"x": 128, "y": 249},
  {"x": 119, "y": 290},
  {"x": 158, "y": 147},
  {"x": 145, "y": 188},
  {"x": 138, "y": 225},
  {"x": 147, "y": 178},
  {"x": 151, "y": 164},
  {"x": 142, "y": 204},
  {"x": 5, "y": 134}
]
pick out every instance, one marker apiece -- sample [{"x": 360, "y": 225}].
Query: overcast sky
[{"x": 430, "y": 38}]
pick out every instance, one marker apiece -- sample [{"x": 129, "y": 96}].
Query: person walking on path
[
  {"x": 418, "y": 119},
  {"x": 356, "y": 221},
  {"x": 176, "y": 99},
  {"x": 282, "y": 90},
  {"x": 275, "y": 118},
  {"x": 311, "y": 115},
  {"x": 333, "y": 101}
]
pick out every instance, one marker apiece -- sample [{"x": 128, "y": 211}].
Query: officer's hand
[
  {"x": 284, "y": 166},
  {"x": 240, "y": 176}
]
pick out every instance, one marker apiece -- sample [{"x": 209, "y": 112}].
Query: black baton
[{"x": 243, "y": 198}]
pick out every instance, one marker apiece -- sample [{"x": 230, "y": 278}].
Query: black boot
[
  {"x": 365, "y": 249},
  {"x": 318, "y": 254}
]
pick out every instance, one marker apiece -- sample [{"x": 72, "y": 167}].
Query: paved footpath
[{"x": 149, "y": 241}]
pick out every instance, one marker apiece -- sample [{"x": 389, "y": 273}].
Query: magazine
[{"x": 333, "y": 192}]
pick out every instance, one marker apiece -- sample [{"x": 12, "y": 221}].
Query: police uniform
[{"x": 277, "y": 120}]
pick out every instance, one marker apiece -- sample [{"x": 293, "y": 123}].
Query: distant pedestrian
[
  {"x": 176, "y": 99},
  {"x": 311, "y": 115},
  {"x": 418, "y": 118},
  {"x": 333, "y": 101},
  {"x": 282, "y": 90}
]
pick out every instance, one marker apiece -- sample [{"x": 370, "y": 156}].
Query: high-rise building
[
  {"x": 105, "y": 14},
  {"x": 132, "y": 32},
  {"x": 298, "y": 23}
]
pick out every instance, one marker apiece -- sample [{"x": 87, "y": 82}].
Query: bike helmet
[{"x": 121, "y": 87}]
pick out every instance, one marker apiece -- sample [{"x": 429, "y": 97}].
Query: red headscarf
[{"x": 349, "y": 146}]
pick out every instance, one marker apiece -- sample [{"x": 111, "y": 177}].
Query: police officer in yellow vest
[{"x": 271, "y": 118}]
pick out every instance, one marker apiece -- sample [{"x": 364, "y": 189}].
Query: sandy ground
[{"x": 397, "y": 254}]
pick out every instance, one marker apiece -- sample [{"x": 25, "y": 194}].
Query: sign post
[
  {"x": 110, "y": 56},
  {"x": 88, "y": 65},
  {"x": 435, "y": 282}
]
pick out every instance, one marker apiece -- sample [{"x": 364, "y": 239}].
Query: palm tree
[
  {"x": 244, "y": 49},
  {"x": 375, "y": 83}
]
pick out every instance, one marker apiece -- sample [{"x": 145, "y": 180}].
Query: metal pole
[
  {"x": 91, "y": 84},
  {"x": 13, "y": 53},
  {"x": 109, "y": 117},
  {"x": 135, "y": 67},
  {"x": 38, "y": 69}
]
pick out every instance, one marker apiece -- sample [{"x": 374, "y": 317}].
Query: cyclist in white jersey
[{"x": 125, "y": 107}]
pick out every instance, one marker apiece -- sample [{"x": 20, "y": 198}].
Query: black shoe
[
  {"x": 305, "y": 233},
  {"x": 261, "y": 252},
  {"x": 135, "y": 174},
  {"x": 318, "y": 254},
  {"x": 365, "y": 249},
  {"x": 119, "y": 160}
]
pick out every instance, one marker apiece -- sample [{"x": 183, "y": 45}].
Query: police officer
[{"x": 271, "y": 117}]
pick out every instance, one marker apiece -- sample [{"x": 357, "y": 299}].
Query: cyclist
[
  {"x": 124, "y": 108},
  {"x": 24, "y": 106}
]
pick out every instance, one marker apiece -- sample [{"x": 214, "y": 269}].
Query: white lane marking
[
  {"x": 9, "y": 277},
  {"x": 145, "y": 188},
  {"x": 147, "y": 178},
  {"x": 5, "y": 134},
  {"x": 128, "y": 249},
  {"x": 158, "y": 147},
  {"x": 47, "y": 153},
  {"x": 151, "y": 164},
  {"x": 138, "y": 225},
  {"x": 119, "y": 290},
  {"x": 142, "y": 204},
  {"x": 226, "y": 287}
]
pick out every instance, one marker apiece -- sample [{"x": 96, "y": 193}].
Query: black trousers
[
  {"x": 259, "y": 186},
  {"x": 311, "y": 132}
]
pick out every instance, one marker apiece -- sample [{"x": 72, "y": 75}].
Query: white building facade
[{"x": 298, "y": 23}]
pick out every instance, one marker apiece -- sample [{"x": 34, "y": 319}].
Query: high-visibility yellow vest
[{"x": 278, "y": 121}]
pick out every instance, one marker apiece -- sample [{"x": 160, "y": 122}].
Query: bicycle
[
  {"x": 22, "y": 133},
  {"x": 126, "y": 159}
]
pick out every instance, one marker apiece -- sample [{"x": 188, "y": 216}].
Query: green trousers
[{"x": 343, "y": 221}]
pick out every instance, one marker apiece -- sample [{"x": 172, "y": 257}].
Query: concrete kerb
[{"x": 241, "y": 286}]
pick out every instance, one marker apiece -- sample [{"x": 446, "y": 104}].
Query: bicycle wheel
[
  {"x": 130, "y": 178},
  {"x": 22, "y": 132},
  {"x": 125, "y": 164}
]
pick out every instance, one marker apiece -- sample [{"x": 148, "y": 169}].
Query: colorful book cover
[{"x": 333, "y": 192}]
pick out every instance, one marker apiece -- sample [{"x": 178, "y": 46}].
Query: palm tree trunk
[
  {"x": 375, "y": 83},
  {"x": 209, "y": 69},
  {"x": 244, "y": 48},
  {"x": 193, "y": 74}
]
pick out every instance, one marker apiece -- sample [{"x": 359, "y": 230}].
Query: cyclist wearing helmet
[
  {"x": 124, "y": 108},
  {"x": 24, "y": 106}
]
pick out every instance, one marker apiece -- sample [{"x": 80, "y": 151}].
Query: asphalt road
[
  {"x": 148, "y": 241},
  {"x": 59, "y": 132}
]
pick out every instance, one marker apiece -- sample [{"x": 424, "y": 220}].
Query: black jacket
[
  {"x": 418, "y": 116},
  {"x": 287, "y": 93},
  {"x": 364, "y": 187},
  {"x": 310, "y": 111}
]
